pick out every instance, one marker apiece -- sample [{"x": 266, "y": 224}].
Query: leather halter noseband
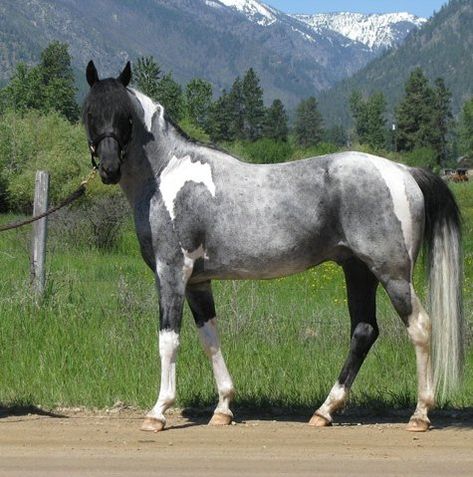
[{"x": 93, "y": 146}]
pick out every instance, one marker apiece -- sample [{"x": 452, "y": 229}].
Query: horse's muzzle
[{"x": 109, "y": 176}]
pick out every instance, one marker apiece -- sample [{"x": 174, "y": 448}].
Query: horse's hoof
[
  {"x": 152, "y": 424},
  {"x": 319, "y": 421},
  {"x": 220, "y": 419},
  {"x": 418, "y": 425}
]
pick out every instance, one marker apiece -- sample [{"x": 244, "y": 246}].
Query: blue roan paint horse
[{"x": 202, "y": 214}]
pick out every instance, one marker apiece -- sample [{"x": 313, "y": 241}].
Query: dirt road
[{"x": 112, "y": 445}]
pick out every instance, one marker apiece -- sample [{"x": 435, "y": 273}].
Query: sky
[{"x": 422, "y": 8}]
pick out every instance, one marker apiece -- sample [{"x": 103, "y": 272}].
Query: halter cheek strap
[{"x": 93, "y": 146}]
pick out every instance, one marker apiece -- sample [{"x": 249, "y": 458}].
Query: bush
[
  {"x": 321, "y": 149},
  {"x": 263, "y": 151},
  {"x": 34, "y": 141},
  {"x": 95, "y": 223},
  {"x": 421, "y": 157}
]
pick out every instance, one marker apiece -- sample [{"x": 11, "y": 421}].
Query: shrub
[{"x": 263, "y": 151}]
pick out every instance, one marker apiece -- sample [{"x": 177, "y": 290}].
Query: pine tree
[
  {"x": 146, "y": 76},
  {"x": 253, "y": 106},
  {"x": 275, "y": 123},
  {"x": 370, "y": 123},
  {"x": 45, "y": 87},
  {"x": 169, "y": 94},
  {"x": 442, "y": 120},
  {"x": 198, "y": 101},
  {"x": 414, "y": 113},
  {"x": 219, "y": 126},
  {"x": 465, "y": 129},
  {"x": 308, "y": 127},
  {"x": 58, "y": 80},
  {"x": 236, "y": 110}
]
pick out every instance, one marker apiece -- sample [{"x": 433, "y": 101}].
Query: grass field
[{"x": 93, "y": 342}]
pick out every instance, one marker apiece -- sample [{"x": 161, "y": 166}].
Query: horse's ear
[
  {"x": 91, "y": 74},
  {"x": 125, "y": 75}
]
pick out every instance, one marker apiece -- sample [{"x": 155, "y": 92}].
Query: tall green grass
[{"x": 93, "y": 340}]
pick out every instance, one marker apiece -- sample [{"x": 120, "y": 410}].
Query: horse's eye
[{"x": 130, "y": 120}]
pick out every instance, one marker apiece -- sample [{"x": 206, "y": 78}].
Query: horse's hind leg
[
  {"x": 201, "y": 302},
  {"x": 418, "y": 324},
  {"x": 361, "y": 289}
]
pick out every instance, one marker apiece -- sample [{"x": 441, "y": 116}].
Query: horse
[{"x": 201, "y": 214}]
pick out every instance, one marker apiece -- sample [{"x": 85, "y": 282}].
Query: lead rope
[{"x": 79, "y": 192}]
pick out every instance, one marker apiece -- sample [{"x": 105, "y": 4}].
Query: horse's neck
[{"x": 147, "y": 159}]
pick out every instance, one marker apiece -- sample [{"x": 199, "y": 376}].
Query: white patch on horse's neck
[
  {"x": 150, "y": 108},
  {"x": 177, "y": 173}
]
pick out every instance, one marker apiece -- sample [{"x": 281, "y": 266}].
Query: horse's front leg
[
  {"x": 171, "y": 288},
  {"x": 201, "y": 303}
]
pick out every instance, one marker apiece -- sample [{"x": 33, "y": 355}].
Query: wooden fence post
[{"x": 40, "y": 231}]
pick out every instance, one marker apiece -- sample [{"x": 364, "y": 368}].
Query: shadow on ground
[
  {"x": 28, "y": 409},
  {"x": 354, "y": 416}
]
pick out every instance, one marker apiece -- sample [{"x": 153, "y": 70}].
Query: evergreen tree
[
  {"x": 275, "y": 123},
  {"x": 58, "y": 80},
  {"x": 146, "y": 76},
  {"x": 337, "y": 136},
  {"x": 45, "y": 87},
  {"x": 308, "y": 127},
  {"x": 359, "y": 111},
  {"x": 253, "y": 106},
  {"x": 370, "y": 123},
  {"x": 169, "y": 94},
  {"x": 236, "y": 110},
  {"x": 219, "y": 126},
  {"x": 24, "y": 91},
  {"x": 414, "y": 114},
  {"x": 442, "y": 118},
  {"x": 198, "y": 100},
  {"x": 465, "y": 129}
]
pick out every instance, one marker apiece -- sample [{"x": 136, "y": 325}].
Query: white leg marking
[
  {"x": 334, "y": 401},
  {"x": 209, "y": 338},
  {"x": 419, "y": 330},
  {"x": 394, "y": 177},
  {"x": 168, "y": 345},
  {"x": 177, "y": 173}
]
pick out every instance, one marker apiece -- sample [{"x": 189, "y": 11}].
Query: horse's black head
[{"x": 108, "y": 120}]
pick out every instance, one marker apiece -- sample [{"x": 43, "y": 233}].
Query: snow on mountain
[
  {"x": 376, "y": 31},
  {"x": 255, "y": 11}
]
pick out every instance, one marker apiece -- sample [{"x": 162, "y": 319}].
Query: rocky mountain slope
[{"x": 213, "y": 39}]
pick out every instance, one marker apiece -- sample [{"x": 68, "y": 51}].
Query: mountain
[
  {"x": 442, "y": 47},
  {"x": 212, "y": 39},
  {"x": 376, "y": 31}
]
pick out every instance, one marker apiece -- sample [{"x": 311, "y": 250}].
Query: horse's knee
[{"x": 364, "y": 335}]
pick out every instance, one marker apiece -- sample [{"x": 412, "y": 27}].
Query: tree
[
  {"x": 308, "y": 127},
  {"x": 336, "y": 135},
  {"x": 236, "y": 110},
  {"x": 414, "y": 113},
  {"x": 442, "y": 120},
  {"x": 24, "y": 91},
  {"x": 253, "y": 106},
  {"x": 219, "y": 126},
  {"x": 275, "y": 122},
  {"x": 58, "y": 80},
  {"x": 465, "y": 129},
  {"x": 146, "y": 76},
  {"x": 198, "y": 100},
  {"x": 169, "y": 94},
  {"x": 49, "y": 86},
  {"x": 370, "y": 123}
]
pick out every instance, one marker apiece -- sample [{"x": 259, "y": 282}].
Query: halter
[{"x": 93, "y": 146}]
